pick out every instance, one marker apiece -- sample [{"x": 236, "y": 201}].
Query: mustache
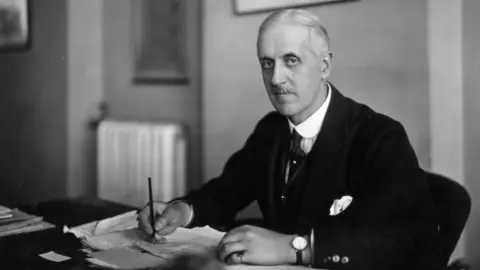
[{"x": 277, "y": 90}]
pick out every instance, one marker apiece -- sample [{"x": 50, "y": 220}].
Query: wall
[
  {"x": 84, "y": 93},
  {"x": 471, "y": 69},
  {"x": 33, "y": 111},
  {"x": 80, "y": 56},
  {"x": 380, "y": 58},
  {"x": 446, "y": 95},
  {"x": 179, "y": 103}
]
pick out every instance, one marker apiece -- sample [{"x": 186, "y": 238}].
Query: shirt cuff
[{"x": 191, "y": 215}]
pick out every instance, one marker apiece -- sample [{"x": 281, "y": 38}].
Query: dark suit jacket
[{"x": 358, "y": 152}]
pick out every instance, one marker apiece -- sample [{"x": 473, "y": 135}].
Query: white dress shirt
[{"x": 310, "y": 128}]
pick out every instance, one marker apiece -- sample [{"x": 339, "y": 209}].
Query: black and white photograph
[{"x": 239, "y": 134}]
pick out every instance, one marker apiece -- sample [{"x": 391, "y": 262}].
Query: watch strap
[{"x": 299, "y": 257}]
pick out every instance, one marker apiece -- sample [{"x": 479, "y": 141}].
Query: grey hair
[{"x": 301, "y": 17}]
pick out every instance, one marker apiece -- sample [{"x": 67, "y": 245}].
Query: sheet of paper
[
  {"x": 17, "y": 215},
  {"x": 201, "y": 239},
  {"x": 43, "y": 225},
  {"x": 19, "y": 224},
  {"x": 4, "y": 209},
  {"x": 114, "y": 240},
  {"x": 125, "y": 258},
  {"x": 99, "y": 263},
  {"x": 121, "y": 222},
  {"x": 121, "y": 244},
  {"x": 117, "y": 223},
  {"x": 122, "y": 231},
  {"x": 118, "y": 231},
  {"x": 170, "y": 251},
  {"x": 6, "y": 215},
  {"x": 54, "y": 257},
  {"x": 212, "y": 236}
]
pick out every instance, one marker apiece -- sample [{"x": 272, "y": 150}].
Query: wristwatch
[{"x": 299, "y": 244}]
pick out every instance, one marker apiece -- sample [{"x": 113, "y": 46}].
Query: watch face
[{"x": 299, "y": 243}]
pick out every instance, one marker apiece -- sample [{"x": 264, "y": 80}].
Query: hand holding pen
[{"x": 160, "y": 218}]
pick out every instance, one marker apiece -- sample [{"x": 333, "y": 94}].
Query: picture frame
[
  {"x": 15, "y": 25},
  {"x": 242, "y": 7},
  {"x": 160, "y": 41}
]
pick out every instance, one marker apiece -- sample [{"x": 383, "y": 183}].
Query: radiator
[{"x": 130, "y": 152}]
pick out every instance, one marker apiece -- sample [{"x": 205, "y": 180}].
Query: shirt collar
[{"x": 312, "y": 125}]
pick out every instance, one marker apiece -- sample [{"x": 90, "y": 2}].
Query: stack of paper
[
  {"x": 118, "y": 243},
  {"x": 15, "y": 221}
]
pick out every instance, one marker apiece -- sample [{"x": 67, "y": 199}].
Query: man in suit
[{"x": 339, "y": 185}]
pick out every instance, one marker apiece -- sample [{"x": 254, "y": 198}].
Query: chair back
[{"x": 453, "y": 205}]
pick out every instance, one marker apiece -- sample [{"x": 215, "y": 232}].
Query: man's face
[{"x": 292, "y": 70}]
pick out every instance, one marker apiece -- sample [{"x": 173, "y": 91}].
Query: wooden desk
[{"x": 22, "y": 251}]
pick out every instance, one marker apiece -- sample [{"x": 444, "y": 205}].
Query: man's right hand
[{"x": 168, "y": 217}]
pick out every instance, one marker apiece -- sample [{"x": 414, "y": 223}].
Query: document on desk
[
  {"x": 21, "y": 222},
  {"x": 54, "y": 257},
  {"x": 122, "y": 231},
  {"x": 200, "y": 239},
  {"x": 5, "y": 212},
  {"x": 118, "y": 223},
  {"x": 4, "y": 209},
  {"x": 115, "y": 232},
  {"x": 131, "y": 247}
]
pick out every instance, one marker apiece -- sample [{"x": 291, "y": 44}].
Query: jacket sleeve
[
  {"x": 217, "y": 202},
  {"x": 390, "y": 222}
]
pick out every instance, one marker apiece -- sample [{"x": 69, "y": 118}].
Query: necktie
[{"x": 296, "y": 154}]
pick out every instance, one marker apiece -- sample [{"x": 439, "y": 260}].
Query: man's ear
[{"x": 327, "y": 58}]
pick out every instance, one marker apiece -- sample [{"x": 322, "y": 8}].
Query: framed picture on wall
[
  {"x": 159, "y": 41},
  {"x": 14, "y": 25},
  {"x": 255, "y": 6}
]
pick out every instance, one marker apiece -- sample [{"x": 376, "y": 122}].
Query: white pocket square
[{"x": 340, "y": 205}]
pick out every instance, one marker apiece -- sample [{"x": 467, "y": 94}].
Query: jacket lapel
[{"x": 325, "y": 181}]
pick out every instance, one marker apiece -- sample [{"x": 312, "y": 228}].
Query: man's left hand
[{"x": 255, "y": 245}]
